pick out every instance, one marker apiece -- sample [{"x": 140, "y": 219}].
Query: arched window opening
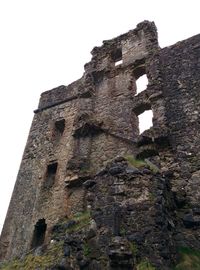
[
  {"x": 141, "y": 83},
  {"x": 39, "y": 233},
  {"x": 145, "y": 120}
]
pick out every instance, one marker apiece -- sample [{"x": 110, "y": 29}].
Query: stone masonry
[{"x": 80, "y": 152}]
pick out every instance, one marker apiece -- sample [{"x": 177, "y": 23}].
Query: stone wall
[
  {"x": 77, "y": 132},
  {"x": 74, "y": 133}
]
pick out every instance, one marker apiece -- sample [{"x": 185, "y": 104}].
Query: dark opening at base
[{"x": 39, "y": 233}]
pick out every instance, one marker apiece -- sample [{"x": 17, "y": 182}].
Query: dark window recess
[
  {"x": 39, "y": 233},
  {"x": 139, "y": 70},
  {"x": 59, "y": 128},
  {"x": 50, "y": 175},
  {"x": 117, "y": 56}
]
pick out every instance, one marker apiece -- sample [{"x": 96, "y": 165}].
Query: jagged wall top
[
  {"x": 130, "y": 47},
  {"x": 144, "y": 37}
]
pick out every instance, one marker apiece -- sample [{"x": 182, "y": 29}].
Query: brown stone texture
[{"x": 76, "y": 155}]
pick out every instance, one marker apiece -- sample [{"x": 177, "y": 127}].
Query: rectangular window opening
[
  {"x": 60, "y": 126},
  {"x": 116, "y": 56},
  {"x": 141, "y": 80},
  {"x": 141, "y": 83},
  {"x": 50, "y": 175},
  {"x": 145, "y": 120}
]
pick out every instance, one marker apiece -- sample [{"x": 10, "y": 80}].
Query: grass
[
  {"x": 145, "y": 265},
  {"x": 152, "y": 166},
  {"x": 189, "y": 259},
  {"x": 31, "y": 262},
  {"x": 54, "y": 252},
  {"x": 137, "y": 163},
  {"x": 81, "y": 219}
]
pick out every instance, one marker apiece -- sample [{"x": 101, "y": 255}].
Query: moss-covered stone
[{"x": 50, "y": 257}]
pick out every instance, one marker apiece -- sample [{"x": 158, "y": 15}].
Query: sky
[{"x": 45, "y": 43}]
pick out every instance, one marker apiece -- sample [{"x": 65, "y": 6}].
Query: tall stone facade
[{"x": 79, "y": 151}]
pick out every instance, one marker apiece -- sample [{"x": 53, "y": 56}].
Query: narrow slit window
[
  {"x": 39, "y": 233},
  {"x": 145, "y": 120},
  {"x": 50, "y": 175}
]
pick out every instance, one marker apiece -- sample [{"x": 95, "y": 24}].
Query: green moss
[
  {"x": 137, "y": 163},
  {"x": 31, "y": 262},
  {"x": 81, "y": 219},
  {"x": 54, "y": 252},
  {"x": 145, "y": 265},
  {"x": 152, "y": 166},
  {"x": 86, "y": 249},
  {"x": 189, "y": 259}
]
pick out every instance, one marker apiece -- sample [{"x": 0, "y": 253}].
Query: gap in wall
[
  {"x": 141, "y": 83},
  {"x": 117, "y": 63},
  {"x": 39, "y": 233},
  {"x": 145, "y": 120}
]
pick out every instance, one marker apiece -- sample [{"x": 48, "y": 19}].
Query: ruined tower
[{"x": 79, "y": 129}]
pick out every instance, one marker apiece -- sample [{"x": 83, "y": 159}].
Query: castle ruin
[{"x": 82, "y": 154}]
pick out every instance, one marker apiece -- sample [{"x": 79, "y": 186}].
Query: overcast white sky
[{"x": 45, "y": 43}]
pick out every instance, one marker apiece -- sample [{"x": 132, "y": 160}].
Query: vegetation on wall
[
  {"x": 145, "y": 265},
  {"x": 54, "y": 252},
  {"x": 31, "y": 262},
  {"x": 189, "y": 259},
  {"x": 139, "y": 163}
]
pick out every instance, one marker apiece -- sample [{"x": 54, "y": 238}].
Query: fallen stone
[{"x": 116, "y": 170}]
